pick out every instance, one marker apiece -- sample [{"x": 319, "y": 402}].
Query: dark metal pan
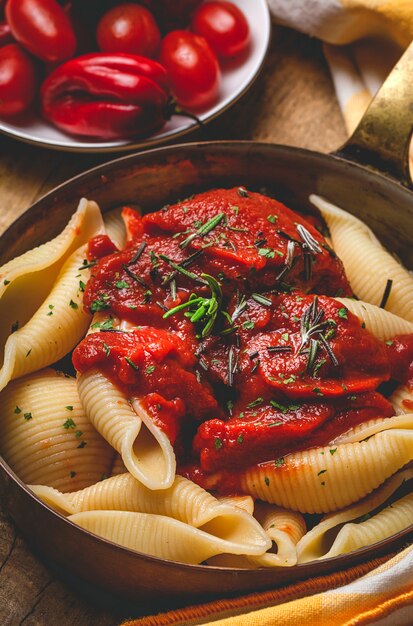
[{"x": 368, "y": 177}]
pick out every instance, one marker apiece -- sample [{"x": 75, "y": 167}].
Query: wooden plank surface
[{"x": 292, "y": 102}]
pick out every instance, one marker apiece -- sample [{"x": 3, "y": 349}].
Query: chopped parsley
[
  {"x": 69, "y": 423},
  {"x": 218, "y": 443},
  {"x": 100, "y": 304},
  {"x": 343, "y": 313},
  {"x": 240, "y": 438},
  {"x": 106, "y": 325},
  {"x": 150, "y": 369},
  {"x": 73, "y": 305},
  {"x": 17, "y": 409},
  {"x": 272, "y": 218},
  {"x": 131, "y": 363},
  {"x": 121, "y": 284},
  {"x": 267, "y": 481},
  {"x": 69, "y": 407},
  {"x": 279, "y": 462},
  {"x": 28, "y": 416}
]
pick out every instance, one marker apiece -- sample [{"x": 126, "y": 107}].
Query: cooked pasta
[
  {"x": 402, "y": 400},
  {"x": 156, "y": 535},
  {"x": 382, "y": 324},
  {"x": 358, "y": 247},
  {"x": 115, "y": 227},
  {"x": 29, "y": 278},
  {"x": 320, "y": 480},
  {"x": 184, "y": 501},
  {"x": 221, "y": 396},
  {"x": 144, "y": 448},
  {"x": 46, "y": 438},
  {"x": 285, "y": 528},
  {"x": 321, "y": 541},
  {"x": 55, "y": 328}
]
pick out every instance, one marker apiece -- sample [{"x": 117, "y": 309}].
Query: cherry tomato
[
  {"x": 128, "y": 28},
  {"x": 17, "y": 80},
  {"x": 192, "y": 68},
  {"x": 42, "y": 27},
  {"x": 172, "y": 14},
  {"x": 5, "y": 34},
  {"x": 224, "y": 27}
]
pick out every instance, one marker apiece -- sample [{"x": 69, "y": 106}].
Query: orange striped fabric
[{"x": 364, "y": 594}]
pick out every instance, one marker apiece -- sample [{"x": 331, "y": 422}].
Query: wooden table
[{"x": 293, "y": 102}]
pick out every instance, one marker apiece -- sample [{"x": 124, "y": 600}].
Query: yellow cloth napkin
[
  {"x": 368, "y": 37},
  {"x": 378, "y": 592}
]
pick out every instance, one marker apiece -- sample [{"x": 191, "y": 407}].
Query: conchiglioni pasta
[
  {"x": 320, "y": 541},
  {"x": 157, "y": 535},
  {"x": 381, "y": 323},
  {"x": 145, "y": 450},
  {"x": 402, "y": 400},
  {"x": 184, "y": 501},
  {"x": 115, "y": 227},
  {"x": 45, "y": 435},
  {"x": 29, "y": 278},
  {"x": 285, "y": 528},
  {"x": 319, "y": 480},
  {"x": 357, "y": 247},
  {"x": 55, "y": 328}
]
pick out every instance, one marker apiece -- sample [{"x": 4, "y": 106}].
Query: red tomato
[
  {"x": 192, "y": 68},
  {"x": 42, "y": 27},
  {"x": 129, "y": 28},
  {"x": 224, "y": 27},
  {"x": 5, "y": 34},
  {"x": 172, "y": 14},
  {"x": 17, "y": 80}
]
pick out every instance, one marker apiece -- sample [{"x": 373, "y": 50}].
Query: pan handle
[{"x": 382, "y": 138}]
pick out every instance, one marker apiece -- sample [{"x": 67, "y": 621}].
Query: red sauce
[{"x": 232, "y": 352}]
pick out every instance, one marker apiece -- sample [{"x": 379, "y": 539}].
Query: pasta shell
[
  {"x": 45, "y": 435},
  {"x": 394, "y": 518},
  {"x": 115, "y": 227},
  {"x": 381, "y": 323},
  {"x": 402, "y": 400},
  {"x": 184, "y": 501},
  {"x": 55, "y": 328},
  {"x": 145, "y": 450},
  {"x": 29, "y": 277},
  {"x": 357, "y": 247},
  {"x": 284, "y": 528},
  {"x": 155, "y": 535},
  {"x": 367, "y": 429},
  {"x": 321, "y": 480},
  {"x": 321, "y": 542}
]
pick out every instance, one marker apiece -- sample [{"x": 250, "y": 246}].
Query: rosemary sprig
[
  {"x": 182, "y": 270},
  {"x": 239, "y": 308},
  {"x": 289, "y": 259},
  {"x": 138, "y": 253},
  {"x": 312, "y": 324},
  {"x": 308, "y": 239},
  {"x": 258, "y": 297},
  {"x": 203, "y": 230},
  {"x": 135, "y": 277},
  {"x": 232, "y": 366},
  {"x": 386, "y": 294},
  {"x": 200, "y": 309}
]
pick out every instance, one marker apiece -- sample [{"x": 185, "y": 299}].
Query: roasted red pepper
[{"x": 107, "y": 96}]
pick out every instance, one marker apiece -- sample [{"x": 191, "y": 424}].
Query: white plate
[{"x": 31, "y": 128}]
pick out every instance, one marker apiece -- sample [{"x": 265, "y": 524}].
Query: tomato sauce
[{"x": 233, "y": 340}]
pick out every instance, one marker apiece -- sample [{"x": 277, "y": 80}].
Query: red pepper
[{"x": 107, "y": 96}]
